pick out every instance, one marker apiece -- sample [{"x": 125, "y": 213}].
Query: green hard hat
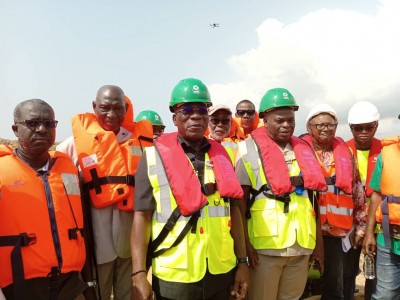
[
  {"x": 278, "y": 97},
  {"x": 189, "y": 90},
  {"x": 151, "y": 116}
]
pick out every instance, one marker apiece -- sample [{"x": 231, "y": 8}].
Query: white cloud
[{"x": 332, "y": 56}]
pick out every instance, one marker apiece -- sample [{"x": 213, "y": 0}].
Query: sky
[{"x": 336, "y": 52}]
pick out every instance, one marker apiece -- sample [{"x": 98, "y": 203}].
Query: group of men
[{"x": 223, "y": 208}]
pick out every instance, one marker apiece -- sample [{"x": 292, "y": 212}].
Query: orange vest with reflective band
[
  {"x": 374, "y": 151},
  {"x": 107, "y": 167},
  {"x": 336, "y": 205},
  {"x": 48, "y": 209},
  {"x": 184, "y": 181},
  {"x": 390, "y": 187},
  {"x": 275, "y": 167}
]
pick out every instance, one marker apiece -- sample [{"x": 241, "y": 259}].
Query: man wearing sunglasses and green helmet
[{"x": 186, "y": 205}]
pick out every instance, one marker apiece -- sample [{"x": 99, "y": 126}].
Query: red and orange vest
[{"x": 336, "y": 205}]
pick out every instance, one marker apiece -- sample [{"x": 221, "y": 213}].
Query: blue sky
[{"x": 323, "y": 51}]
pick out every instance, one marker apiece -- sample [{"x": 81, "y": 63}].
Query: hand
[
  {"x": 141, "y": 288},
  {"x": 241, "y": 283},
  {"x": 253, "y": 256},
  {"x": 369, "y": 244},
  {"x": 358, "y": 239},
  {"x": 317, "y": 259}
]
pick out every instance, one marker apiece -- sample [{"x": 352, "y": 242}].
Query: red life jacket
[
  {"x": 275, "y": 168},
  {"x": 185, "y": 185},
  {"x": 374, "y": 151},
  {"x": 337, "y": 208}
]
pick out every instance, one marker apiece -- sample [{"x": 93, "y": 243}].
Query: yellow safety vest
[
  {"x": 269, "y": 226},
  {"x": 210, "y": 246}
]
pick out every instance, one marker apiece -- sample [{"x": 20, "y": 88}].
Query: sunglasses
[
  {"x": 241, "y": 113},
  {"x": 361, "y": 128},
  {"x": 222, "y": 121},
  {"x": 188, "y": 110},
  {"x": 36, "y": 123},
  {"x": 321, "y": 126}
]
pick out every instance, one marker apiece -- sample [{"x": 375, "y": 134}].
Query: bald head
[{"x": 110, "y": 107}]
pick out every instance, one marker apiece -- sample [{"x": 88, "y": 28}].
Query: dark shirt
[{"x": 144, "y": 200}]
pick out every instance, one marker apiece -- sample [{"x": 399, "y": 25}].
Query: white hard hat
[
  {"x": 322, "y": 108},
  {"x": 363, "y": 112}
]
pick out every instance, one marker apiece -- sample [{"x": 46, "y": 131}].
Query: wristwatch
[
  {"x": 92, "y": 283},
  {"x": 243, "y": 260}
]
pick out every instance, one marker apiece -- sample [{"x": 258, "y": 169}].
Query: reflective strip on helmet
[{"x": 218, "y": 211}]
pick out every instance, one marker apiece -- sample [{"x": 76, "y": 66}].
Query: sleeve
[
  {"x": 144, "y": 199},
  {"x": 375, "y": 182}
]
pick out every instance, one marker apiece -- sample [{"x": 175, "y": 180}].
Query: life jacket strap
[
  {"x": 168, "y": 227},
  {"x": 98, "y": 181},
  {"x": 386, "y": 199},
  {"x": 17, "y": 265}
]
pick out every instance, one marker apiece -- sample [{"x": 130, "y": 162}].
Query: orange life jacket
[
  {"x": 389, "y": 210},
  {"x": 336, "y": 205},
  {"x": 107, "y": 167},
  {"x": 374, "y": 151},
  {"x": 275, "y": 168},
  {"x": 41, "y": 221},
  {"x": 183, "y": 180},
  {"x": 237, "y": 132}
]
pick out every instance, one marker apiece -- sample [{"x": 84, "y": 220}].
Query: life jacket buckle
[
  {"x": 27, "y": 239},
  {"x": 209, "y": 188},
  {"x": 73, "y": 233},
  {"x": 130, "y": 180}
]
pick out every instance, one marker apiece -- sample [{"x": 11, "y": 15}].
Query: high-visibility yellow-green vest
[
  {"x": 210, "y": 246},
  {"x": 269, "y": 226}
]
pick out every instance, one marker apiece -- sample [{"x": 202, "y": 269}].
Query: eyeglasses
[
  {"x": 321, "y": 126},
  {"x": 241, "y": 113},
  {"x": 36, "y": 123},
  {"x": 188, "y": 110},
  {"x": 361, "y": 128},
  {"x": 222, "y": 121}
]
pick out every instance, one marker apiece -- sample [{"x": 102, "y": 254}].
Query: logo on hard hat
[
  {"x": 156, "y": 117},
  {"x": 285, "y": 95},
  {"x": 195, "y": 89}
]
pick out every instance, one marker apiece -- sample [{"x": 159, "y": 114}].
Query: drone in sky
[{"x": 214, "y": 25}]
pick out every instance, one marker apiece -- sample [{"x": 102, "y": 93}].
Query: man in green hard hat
[
  {"x": 185, "y": 203},
  {"x": 155, "y": 119},
  {"x": 279, "y": 175}
]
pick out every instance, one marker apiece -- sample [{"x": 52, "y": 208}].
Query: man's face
[
  {"x": 191, "y": 119},
  {"x": 157, "y": 131},
  {"x": 246, "y": 111},
  {"x": 220, "y": 124},
  {"x": 322, "y": 128},
  {"x": 363, "y": 134},
  {"x": 35, "y": 129},
  {"x": 110, "y": 109},
  {"x": 280, "y": 123}
]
